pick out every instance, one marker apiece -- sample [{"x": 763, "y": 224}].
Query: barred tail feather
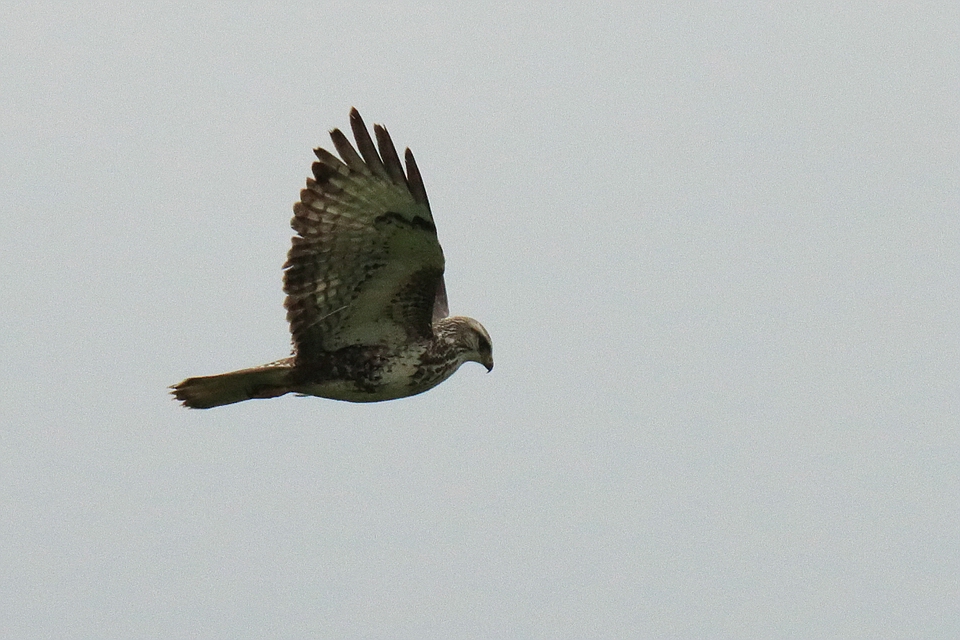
[{"x": 266, "y": 381}]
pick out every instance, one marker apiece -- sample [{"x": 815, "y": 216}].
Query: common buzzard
[{"x": 366, "y": 301}]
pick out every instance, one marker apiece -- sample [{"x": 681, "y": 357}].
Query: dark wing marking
[{"x": 365, "y": 266}]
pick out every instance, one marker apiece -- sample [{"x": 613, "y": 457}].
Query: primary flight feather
[{"x": 366, "y": 301}]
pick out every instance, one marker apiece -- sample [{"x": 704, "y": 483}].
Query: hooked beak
[{"x": 488, "y": 363}]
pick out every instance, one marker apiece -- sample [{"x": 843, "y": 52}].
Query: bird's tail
[{"x": 266, "y": 381}]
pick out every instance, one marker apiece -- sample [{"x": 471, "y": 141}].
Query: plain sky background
[{"x": 717, "y": 245}]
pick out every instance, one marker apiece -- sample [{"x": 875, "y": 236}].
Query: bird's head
[{"x": 471, "y": 339}]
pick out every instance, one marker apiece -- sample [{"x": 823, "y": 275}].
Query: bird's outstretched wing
[{"x": 365, "y": 267}]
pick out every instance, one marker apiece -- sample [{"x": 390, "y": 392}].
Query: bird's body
[{"x": 366, "y": 300}]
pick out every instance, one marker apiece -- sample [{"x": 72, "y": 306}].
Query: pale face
[{"x": 477, "y": 343}]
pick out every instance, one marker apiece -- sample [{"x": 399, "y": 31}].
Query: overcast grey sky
[{"x": 717, "y": 245}]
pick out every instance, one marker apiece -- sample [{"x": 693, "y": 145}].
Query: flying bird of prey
[{"x": 366, "y": 301}]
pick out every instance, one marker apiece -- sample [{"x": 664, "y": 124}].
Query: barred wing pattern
[
  {"x": 366, "y": 267},
  {"x": 366, "y": 301}
]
